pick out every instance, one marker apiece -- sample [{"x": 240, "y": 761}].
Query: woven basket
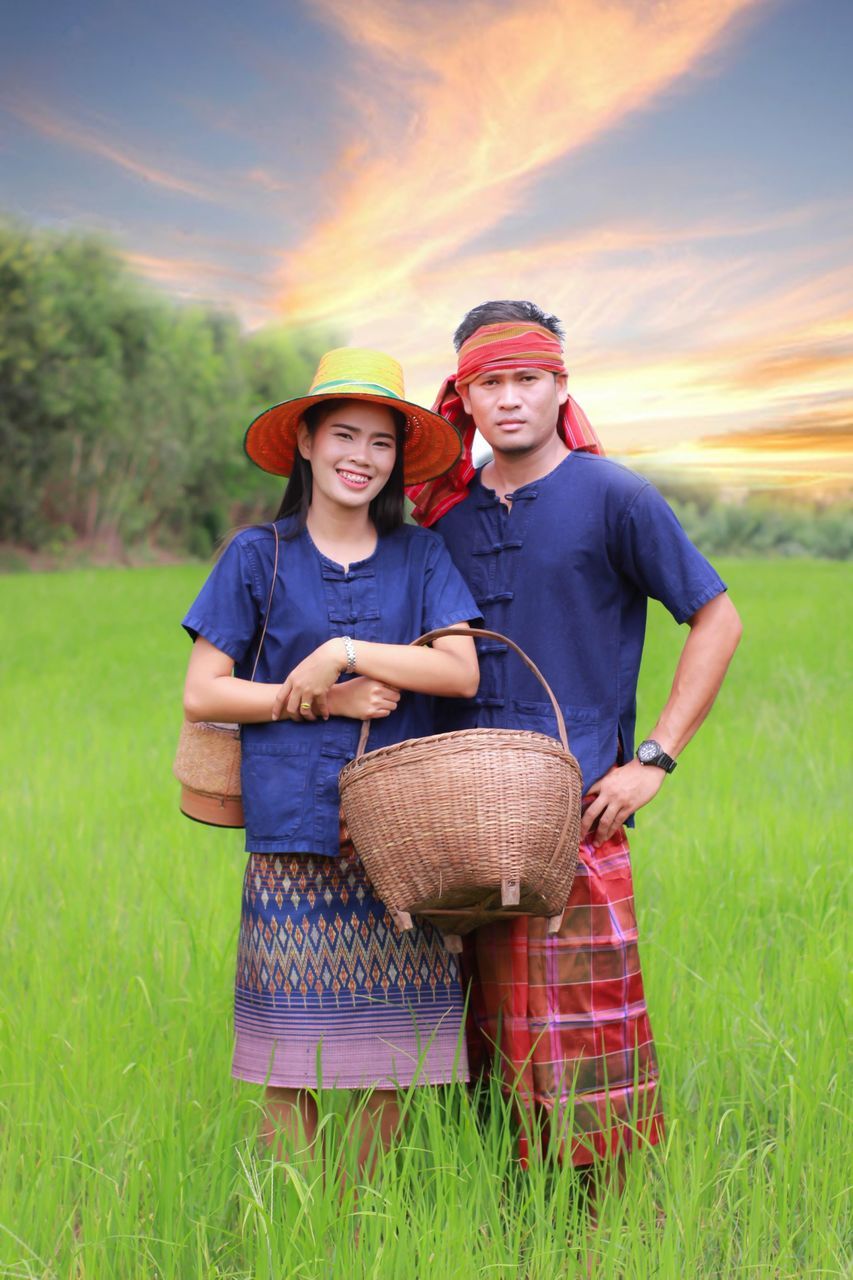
[
  {"x": 207, "y": 765},
  {"x": 207, "y": 762},
  {"x": 467, "y": 827}
]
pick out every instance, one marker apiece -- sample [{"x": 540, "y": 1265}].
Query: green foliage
[
  {"x": 126, "y": 1150},
  {"x": 121, "y": 414},
  {"x": 762, "y": 526}
]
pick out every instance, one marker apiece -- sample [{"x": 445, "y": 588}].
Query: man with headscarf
[{"x": 562, "y": 549}]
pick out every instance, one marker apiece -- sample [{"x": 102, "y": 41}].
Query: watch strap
[{"x": 660, "y": 759}]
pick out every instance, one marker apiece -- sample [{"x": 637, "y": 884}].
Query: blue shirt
[
  {"x": 566, "y": 573},
  {"x": 290, "y": 769}
]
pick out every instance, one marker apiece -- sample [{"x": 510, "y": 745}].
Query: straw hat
[{"x": 431, "y": 446}]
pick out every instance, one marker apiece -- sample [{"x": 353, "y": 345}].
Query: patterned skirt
[
  {"x": 329, "y": 993},
  {"x": 565, "y": 1017}
]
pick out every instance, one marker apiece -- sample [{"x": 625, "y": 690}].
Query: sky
[{"x": 672, "y": 178}]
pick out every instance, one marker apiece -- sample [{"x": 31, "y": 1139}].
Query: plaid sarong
[{"x": 565, "y": 1016}]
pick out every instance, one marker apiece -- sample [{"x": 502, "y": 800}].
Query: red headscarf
[{"x": 495, "y": 347}]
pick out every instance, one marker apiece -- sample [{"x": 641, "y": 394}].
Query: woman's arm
[
  {"x": 212, "y": 693},
  {"x": 448, "y": 668}
]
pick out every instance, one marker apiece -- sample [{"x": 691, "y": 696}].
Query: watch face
[{"x": 648, "y": 751}]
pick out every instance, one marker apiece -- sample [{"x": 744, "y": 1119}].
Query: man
[{"x": 562, "y": 550}]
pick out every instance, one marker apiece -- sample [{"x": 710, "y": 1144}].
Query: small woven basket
[
  {"x": 207, "y": 765},
  {"x": 471, "y": 826},
  {"x": 207, "y": 762}
]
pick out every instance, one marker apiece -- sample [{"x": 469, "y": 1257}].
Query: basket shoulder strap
[{"x": 269, "y": 602}]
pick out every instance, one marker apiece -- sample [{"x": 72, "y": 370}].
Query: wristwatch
[{"x": 651, "y": 752}]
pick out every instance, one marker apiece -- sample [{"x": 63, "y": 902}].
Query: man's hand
[
  {"x": 303, "y": 694},
  {"x": 616, "y": 796},
  {"x": 362, "y": 699}
]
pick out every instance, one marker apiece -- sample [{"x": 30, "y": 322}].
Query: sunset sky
[{"x": 672, "y": 179}]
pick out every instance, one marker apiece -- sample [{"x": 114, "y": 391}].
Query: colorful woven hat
[{"x": 432, "y": 445}]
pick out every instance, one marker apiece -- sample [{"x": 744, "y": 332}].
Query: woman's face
[{"x": 351, "y": 452}]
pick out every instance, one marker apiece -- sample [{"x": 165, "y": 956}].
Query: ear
[
  {"x": 462, "y": 392},
  {"x": 562, "y": 381},
  {"x": 303, "y": 439}
]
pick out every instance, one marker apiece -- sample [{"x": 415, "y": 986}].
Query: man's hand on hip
[{"x": 617, "y": 795}]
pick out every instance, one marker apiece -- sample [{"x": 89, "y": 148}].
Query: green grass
[{"x": 126, "y": 1149}]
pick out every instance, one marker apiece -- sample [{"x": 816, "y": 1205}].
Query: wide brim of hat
[{"x": 432, "y": 444}]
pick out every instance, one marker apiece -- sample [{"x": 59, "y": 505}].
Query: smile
[{"x": 355, "y": 479}]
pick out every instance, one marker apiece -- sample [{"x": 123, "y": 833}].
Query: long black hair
[{"x": 386, "y": 509}]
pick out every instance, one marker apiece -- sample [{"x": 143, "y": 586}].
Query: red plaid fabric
[{"x": 565, "y": 1016}]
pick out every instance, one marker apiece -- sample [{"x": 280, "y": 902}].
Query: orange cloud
[
  {"x": 833, "y": 436},
  {"x": 209, "y": 283},
  {"x": 465, "y": 105},
  {"x": 786, "y": 374},
  {"x": 812, "y": 453},
  {"x": 267, "y": 181},
  {"x": 64, "y": 130},
  {"x": 663, "y": 335},
  {"x": 187, "y": 271},
  {"x": 810, "y": 365}
]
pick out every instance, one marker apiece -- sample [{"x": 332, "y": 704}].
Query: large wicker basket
[{"x": 467, "y": 827}]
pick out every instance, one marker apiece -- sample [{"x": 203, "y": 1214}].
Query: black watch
[{"x": 651, "y": 752}]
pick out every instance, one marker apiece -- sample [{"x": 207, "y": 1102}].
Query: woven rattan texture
[
  {"x": 440, "y": 822},
  {"x": 208, "y": 758}
]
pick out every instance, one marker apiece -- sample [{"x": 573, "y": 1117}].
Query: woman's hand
[
  {"x": 303, "y": 696},
  {"x": 362, "y": 699}
]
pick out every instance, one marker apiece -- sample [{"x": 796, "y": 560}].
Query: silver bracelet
[{"x": 350, "y": 652}]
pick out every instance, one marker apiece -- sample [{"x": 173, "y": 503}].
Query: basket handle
[{"x": 490, "y": 635}]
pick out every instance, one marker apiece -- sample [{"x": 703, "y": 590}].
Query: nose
[
  {"x": 358, "y": 452},
  {"x": 508, "y": 397}
]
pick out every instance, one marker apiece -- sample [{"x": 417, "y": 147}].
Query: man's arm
[{"x": 715, "y": 631}]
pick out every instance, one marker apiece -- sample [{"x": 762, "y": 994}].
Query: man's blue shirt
[{"x": 566, "y": 573}]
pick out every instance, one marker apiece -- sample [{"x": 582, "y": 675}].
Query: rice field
[{"x": 126, "y": 1150}]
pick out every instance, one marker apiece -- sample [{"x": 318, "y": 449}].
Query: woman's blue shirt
[{"x": 290, "y": 770}]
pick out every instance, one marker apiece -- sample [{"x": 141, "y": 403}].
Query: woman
[{"x": 328, "y": 991}]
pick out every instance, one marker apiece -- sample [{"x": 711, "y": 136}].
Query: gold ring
[{"x": 305, "y": 706}]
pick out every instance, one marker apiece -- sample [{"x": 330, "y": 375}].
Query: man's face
[{"x": 515, "y": 410}]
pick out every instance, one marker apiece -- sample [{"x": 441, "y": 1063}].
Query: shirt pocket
[
  {"x": 273, "y": 779},
  {"x": 582, "y": 728}
]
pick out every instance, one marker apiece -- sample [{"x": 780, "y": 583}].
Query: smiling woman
[
  {"x": 346, "y": 448},
  {"x": 328, "y": 992}
]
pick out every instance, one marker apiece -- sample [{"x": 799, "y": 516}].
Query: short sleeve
[
  {"x": 446, "y": 597},
  {"x": 657, "y": 555},
  {"x": 226, "y": 610}
]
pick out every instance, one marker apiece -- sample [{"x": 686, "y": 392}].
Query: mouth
[
  {"x": 511, "y": 422},
  {"x": 354, "y": 479}
]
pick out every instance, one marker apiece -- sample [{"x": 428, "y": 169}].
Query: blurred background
[{"x": 197, "y": 200}]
